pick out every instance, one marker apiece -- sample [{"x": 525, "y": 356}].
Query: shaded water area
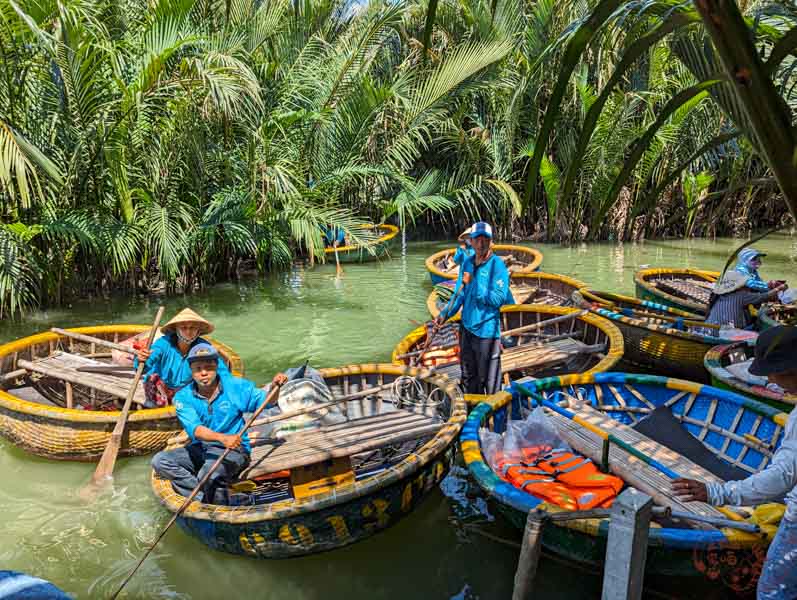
[{"x": 456, "y": 545}]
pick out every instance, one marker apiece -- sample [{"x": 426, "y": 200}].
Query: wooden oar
[
  {"x": 435, "y": 330},
  {"x": 545, "y": 323},
  {"x": 338, "y": 268},
  {"x": 92, "y": 340},
  {"x": 104, "y": 470},
  {"x": 272, "y": 395}
]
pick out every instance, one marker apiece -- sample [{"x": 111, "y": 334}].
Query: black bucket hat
[{"x": 775, "y": 351}]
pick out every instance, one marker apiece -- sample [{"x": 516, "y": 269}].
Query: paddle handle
[
  {"x": 108, "y": 459},
  {"x": 269, "y": 399}
]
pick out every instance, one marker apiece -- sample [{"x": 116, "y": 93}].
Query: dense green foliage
[{"x": 171, "y": 142}]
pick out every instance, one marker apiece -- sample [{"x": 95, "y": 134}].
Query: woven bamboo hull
[
  {"x": 720, "y": 356},
  {"x": 356, "y": 254},
  {"x": 81, "y": 435},
  {"x": 711, "y": 553},
  {"x": 559, "y": 288},
  {"x": 330, "y": 520},
  {"x": 530, "y": 256},
  {"x": 646, "y": 291}
]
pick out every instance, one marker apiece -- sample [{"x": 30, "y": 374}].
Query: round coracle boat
[
  {"x": 567, "y": 341},
  {"x": 374, "y": 250},
  {"x": 728, "y": 365},
  {"x": 684, "y": 289},
  {"x": 60, "y": 397},
  {"x": 738, "y": 435},
  {"x": 626, "y": 304},
  {"x": 518, "y": 259},
  {"x": 772, "y": 315},
  {"x": 526, "y": 288},
  {"x": 321, "y": 489},
  {"x": 670, "y": 345}
]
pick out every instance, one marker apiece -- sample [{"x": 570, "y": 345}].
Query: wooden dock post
[
  {"x": 627, "y": 546},
  {"x": 529, "y": 557}
]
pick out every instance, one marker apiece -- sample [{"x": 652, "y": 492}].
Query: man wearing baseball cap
[
  {"x": 484, "y": 289},
  {"x": 211, "y": 410},
  {"x": 775, "y": 358}
]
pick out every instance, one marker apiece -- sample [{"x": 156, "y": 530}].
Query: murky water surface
[{"x": 455, "y": 545}]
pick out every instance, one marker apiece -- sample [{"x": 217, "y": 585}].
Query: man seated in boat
[
  {"x": 730, "y": 298},
  {"x": 166, "y": 367},
  {"x": 747, "y": 263},
  {"x": 211, "y": 410},
  {"x": 775, "y": 358},
  {"x": 484, "y": 288}
]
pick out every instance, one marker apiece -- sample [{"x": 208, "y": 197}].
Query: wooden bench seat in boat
[
  {"x": 634, "y": 471},
  {"x": 270, "y": 455},
  {"x": 533, "y": 356},
  {"x": 66, "y": 366}
]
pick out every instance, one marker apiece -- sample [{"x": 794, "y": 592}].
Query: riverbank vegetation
[{"x": 172, "y": 143}]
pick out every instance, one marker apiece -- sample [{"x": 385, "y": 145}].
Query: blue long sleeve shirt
[
  {"x": 481, "y": 300},
  {"x": 462, "y": 253},
  {"x": 170, "y": 364},
  {"x": 754, "y": 281},
  {"x": 225, "y": 414}
]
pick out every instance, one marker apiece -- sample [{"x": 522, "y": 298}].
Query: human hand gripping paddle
[
  {"x": 104, "y": 471},
  {"x": 438, "y": 322},
  {"x": 270, "y": 399}
]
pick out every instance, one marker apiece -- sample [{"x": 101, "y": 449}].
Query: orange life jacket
[
  {"x": 560, "y": 477},
  {"x": 440, "y": 357}
]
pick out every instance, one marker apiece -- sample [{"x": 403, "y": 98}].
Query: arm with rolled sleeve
[
  {"x": 770, "y": 485},
  {"x": 188, "y": 416},
  {"x": 491, "y": 291}
]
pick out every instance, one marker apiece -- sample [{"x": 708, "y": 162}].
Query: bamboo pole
[
  {"x": 92, "y": 340},
  {"x": 68, "y": 376},
  {"x": 545, "y": 323}
]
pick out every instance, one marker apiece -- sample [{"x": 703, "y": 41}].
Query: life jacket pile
[
  {"x": 560, "y": 477},
  {"x": 440, "y": 356}
]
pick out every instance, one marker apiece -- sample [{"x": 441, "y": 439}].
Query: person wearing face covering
[
  {"x": 747, "y": 263},
  {"x": 166, "y": 367}
]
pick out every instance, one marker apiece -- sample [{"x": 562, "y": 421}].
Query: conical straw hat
[
  {"x": 188, "y": 316},
  {"x": 465, "y": 234}
]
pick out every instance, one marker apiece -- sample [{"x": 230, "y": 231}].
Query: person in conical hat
[
  {"x": 465, "y": 248},
  {"x": 166, "y": 367},
  {"x": 730, "y": 298}
]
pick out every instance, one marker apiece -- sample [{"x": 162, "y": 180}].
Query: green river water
[{"x": 455, "y": 545}]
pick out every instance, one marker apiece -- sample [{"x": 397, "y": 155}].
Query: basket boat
[
  {"x": 772, "y": 315},
  {"x": 684, "y": 289},
  {"x": 586, "y": 343},
  {"x": 520, "y": 258},
  {"x": 389, "y": 483},
  {"x": 527, "y": 288},
  {"x": 737, "y": 430},
  {"x": 719, "y": 358},
  {"x": 660, "y": 341},
  {"x": 33, "y": 406},
  {"x": 362, "y": 253}
]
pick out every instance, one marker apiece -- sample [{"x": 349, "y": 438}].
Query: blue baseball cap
[
  {"x": 203, "y": 351},
  {"x": 481, "y": 228}
]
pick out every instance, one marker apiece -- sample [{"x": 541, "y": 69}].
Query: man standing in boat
[
  {"x": 484, "y": 288},
  {"x": 211, "y": 410},
  {"x": 775, "y": 358}
]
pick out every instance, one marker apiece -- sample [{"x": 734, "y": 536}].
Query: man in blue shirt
[
  {"x": 211, "y": 410},
  {"x": 484, "y": 289}
]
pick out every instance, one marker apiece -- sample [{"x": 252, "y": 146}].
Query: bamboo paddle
[
  {"x": 104, "y": 470},
  {"x": 338, "y": 268},
  {"x": 272, "y": 395}
]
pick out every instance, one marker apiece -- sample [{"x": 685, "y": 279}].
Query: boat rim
[
  {"x": 282, "y": 509},
  {"x": 613, "y": 355},
  {"x": 610, "y": 297},
  {"x": 713, "y": 363},
  {"x": 641, "y": 275},
  {"x": 391, "y": 232},
  {"x": 523, "y": 501},
  {"x": 431, "y": 299},
  {"x": 75, "y": 415},
  {"x": 531, "y": 267}
]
